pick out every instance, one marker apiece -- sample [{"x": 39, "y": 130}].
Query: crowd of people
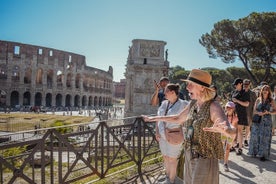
[{"x": 211, "y": 130}]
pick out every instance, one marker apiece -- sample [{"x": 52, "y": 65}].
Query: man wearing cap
[
  {"x": 249, "y": 109},
  {"x": 241, "y": 100},
  {"x": 158, "y": 95}
]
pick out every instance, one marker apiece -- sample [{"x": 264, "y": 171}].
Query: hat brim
[
  {"x": 199, "y": 83},
  {"x": 230, "y": 106}
]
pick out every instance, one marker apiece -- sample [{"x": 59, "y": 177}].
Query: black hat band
[{"x": 198, "y": 82}]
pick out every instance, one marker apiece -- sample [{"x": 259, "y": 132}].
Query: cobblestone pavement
[{"x": 243, "y": 169}]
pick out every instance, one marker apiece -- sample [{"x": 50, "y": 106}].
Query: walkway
[{"x": 243, "y": 170}]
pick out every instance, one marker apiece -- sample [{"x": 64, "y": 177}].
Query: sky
[{"x": 103, "y": 30}]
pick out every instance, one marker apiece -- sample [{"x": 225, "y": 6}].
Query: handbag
[
  {"x": 256, "y": 118},
  {"x": 174, "y": 135}
]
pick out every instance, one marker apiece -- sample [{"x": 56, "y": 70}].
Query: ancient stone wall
[{"x": 38, "y": 76}]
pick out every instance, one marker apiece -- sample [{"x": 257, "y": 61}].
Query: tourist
[
  {"x": 216, "y": 97},
  {"x": 261, "y": 132},
  {"x": 170, "y": 152},
  {"x": 249, "y": 109},
  {"x": 241, "y": 100},
  {"x": 274, "y": 115},
  {"x": 158, "y": 95},
  {"x": 202, "y": 119},
  {"x": 227, "y": 141}
]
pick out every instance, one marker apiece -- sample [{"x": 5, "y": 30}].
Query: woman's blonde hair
[{"x": 208, "y": 94}]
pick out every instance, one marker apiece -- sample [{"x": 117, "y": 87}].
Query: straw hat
[{"x": 200, "y": 77}]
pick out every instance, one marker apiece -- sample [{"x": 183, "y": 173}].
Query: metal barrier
[{"x": 90, "y": 149}]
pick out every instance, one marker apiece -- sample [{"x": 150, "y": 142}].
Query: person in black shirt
[
  {"x": 241, "y": 98},
  {"x": 249, "y": 109}
]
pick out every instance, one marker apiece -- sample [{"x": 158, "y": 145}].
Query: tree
[
  {"x": 176, "y": 74},
  {"x": 252, "y": 40}
]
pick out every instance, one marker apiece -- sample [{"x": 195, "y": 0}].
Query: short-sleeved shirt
[
  {"x": 241, "y": 110},
  {"x": 172, "y": 110}
]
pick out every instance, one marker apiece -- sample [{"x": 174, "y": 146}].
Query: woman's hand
[
  {"x": 221, "y": 128},
  {"x": 147, "y": 118},
  {"x": 158, "y": 136}
]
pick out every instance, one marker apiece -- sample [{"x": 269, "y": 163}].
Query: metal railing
[{"x": 90, "y": 150}]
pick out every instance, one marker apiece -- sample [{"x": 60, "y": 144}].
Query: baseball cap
[
  {"x": 237, "y": 81},
  {"x": 164, "y": 79},
  {"x": 230, "y": 104}
]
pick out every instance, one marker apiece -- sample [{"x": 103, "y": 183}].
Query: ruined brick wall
[{"x": 36, "y": 75}]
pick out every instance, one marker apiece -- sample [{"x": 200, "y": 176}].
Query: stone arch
[
  {"x": 39, "y": 75},
  {"x": 100, "y": 101},
  {"x": 68, "y": 100},
  {"x": 38, "y": 99},
  {"x": 60, "y": 78},
  {"x": 104, "y": 101},
  {"x": 84, "y": 101},
  {"x": 58, "y": 100},
  {"x": 78, "y": 80},
  {"x": 14, "y": 98},
  {"x": 3, "y": 98},
  {"x": 3, "y": 71},
  {"x": 48, "y": 100},
  {"x": 95, "y": 101},
  {"x": 27, "y": 98},
  {"x": 69, "y": 80},
  {"x": 85, "y": 83},
  {"x": 28, "y": 76},
  {"x": 90, "y": 101},
  {"x": 15, "y": 73},
  {"x": 77, "y": 101},
  {"x": 50, "y": 74}
]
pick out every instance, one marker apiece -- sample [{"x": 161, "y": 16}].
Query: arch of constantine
[
  {"x": 147, "y": 61},
  {"x": 39, "y": 76}
]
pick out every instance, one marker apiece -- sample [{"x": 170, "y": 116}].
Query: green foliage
[
  {"x": 62, "y": 130},
  {"x": 176, "y": 73},
  {"x": 251, "y": 40},
  {"x": 13, "y": 153}
]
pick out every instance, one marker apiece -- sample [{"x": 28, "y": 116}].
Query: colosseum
[{"x": 38, "y": 76}]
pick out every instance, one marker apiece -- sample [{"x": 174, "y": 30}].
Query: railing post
[
  {"x": 139, "y": 142},
  {"x": 102, "y": 147}
]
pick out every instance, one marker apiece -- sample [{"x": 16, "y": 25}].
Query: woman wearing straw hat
[{"x": 202, "y": 120}]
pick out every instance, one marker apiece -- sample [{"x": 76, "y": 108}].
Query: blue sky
[{"x": 102, "y": 30}]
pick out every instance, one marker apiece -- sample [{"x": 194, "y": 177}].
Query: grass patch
[{"x": 26, "y": 121}]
